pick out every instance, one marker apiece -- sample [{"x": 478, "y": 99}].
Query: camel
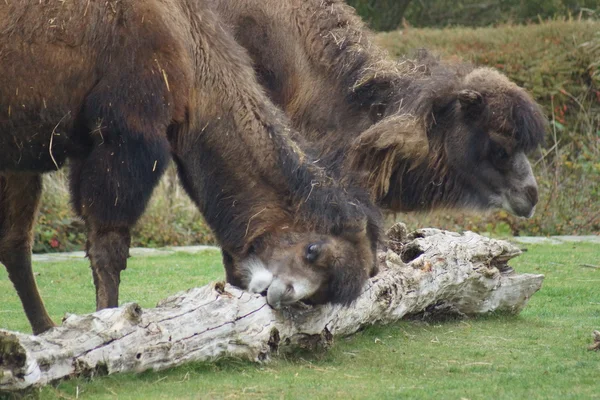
[
  {"x": 117, "y": 89},
  {"x": 421, "y": 133}
]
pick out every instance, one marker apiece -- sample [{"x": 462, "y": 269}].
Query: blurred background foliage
[
  {"x": 387, "y": 15},
  {"x": 550, "y": 47}
]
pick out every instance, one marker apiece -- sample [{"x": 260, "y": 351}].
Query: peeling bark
[{"x": 424, "y": 271}]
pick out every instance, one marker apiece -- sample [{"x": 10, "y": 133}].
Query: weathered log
[{"x": 430, "y": 269}]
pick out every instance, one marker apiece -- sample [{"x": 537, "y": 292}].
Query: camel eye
[
  {"x": 499, "y": 156},
  {"x": 312, "y": 252}
]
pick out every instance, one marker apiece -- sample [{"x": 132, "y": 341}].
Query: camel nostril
[
  {"x": 281, "y": 293},
  {"x": 532, "y": 194}
]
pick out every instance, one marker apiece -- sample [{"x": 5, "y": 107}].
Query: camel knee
[
  {"x": 15, "y": 249},
  {"x": 16, "y": 259},
  {"x": 15, "y": 253},
  {"x": 108, "y": 249}
]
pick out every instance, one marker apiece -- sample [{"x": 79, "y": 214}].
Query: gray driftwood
[{"x": 426, "y": 271}]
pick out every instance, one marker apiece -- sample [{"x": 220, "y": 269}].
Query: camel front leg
[{"x": 19, "y": 200}]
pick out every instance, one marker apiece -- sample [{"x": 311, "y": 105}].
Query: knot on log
[
  {"x": 132, "y": 312},
  {"x": 411, "y": 252},
  {"x": 83, "y": 369},
  {"x": 318, "y": 342},
  {"x": 220, "y": 287},
  {"x": 397, "y": 236},
  {"x": 12, "y": 354},
  {"x": 439, "y": 312},
  {"x": 274, "y": 340}
]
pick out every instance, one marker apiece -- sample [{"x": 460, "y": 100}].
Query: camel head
[
  {"x": 313, "y": 268},
  {"x": 461, "y": 143},
  {"x": 484, "y": 131}
]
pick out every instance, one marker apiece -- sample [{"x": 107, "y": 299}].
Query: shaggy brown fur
[
  {"x": 366, "y": 112},
  {"x": 120, "y": 87}
]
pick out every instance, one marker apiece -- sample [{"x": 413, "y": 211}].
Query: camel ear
[
  {"x": 471, "y": 102},
  {"x": 376, "y": 153}
]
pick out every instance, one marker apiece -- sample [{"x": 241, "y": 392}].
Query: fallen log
[{"x": 424, "y": 271}]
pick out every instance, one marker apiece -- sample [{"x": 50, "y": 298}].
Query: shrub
[
  {"x": 57, "y": 228},
  {"x": 443, "y": 13},
  {"x": 387, "y": 15},
  {"x": 381, "y": 15},
  {"x": 171, "y": 219}
]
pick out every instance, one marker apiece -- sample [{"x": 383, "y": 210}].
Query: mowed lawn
[{"x": 540, "y": 354}]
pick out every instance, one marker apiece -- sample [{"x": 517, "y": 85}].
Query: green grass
[{"x": 539, "y": 354}]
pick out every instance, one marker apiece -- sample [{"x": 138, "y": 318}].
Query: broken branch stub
[{"x": 465, "y": 273}]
